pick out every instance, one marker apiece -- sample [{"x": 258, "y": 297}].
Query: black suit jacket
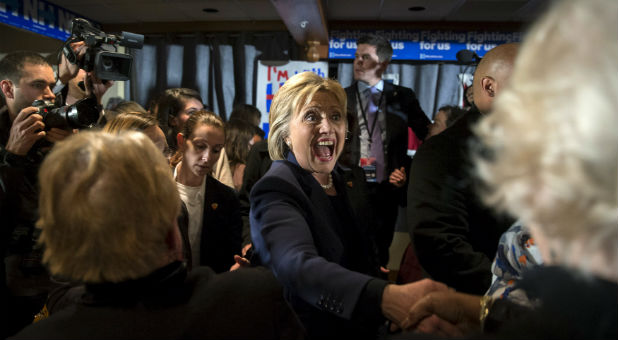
[
  {"x": 258, "y": 163},
  {"x": 221, "y": 227},
  {"x": 169, "y": 304},
  {"x": 454, "y": 234},
  {"x": 402, "y": 111},
  {"x": 294, "y": 230}
]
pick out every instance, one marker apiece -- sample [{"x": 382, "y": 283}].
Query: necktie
[{"x": 375, "y": 131}]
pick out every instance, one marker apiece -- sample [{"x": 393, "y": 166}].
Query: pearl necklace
[{"x": 330, "y": 183}]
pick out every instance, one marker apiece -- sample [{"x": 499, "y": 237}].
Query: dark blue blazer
[
  {"x": 293, "y": 227},
  {"x": 221, "y": 227}
]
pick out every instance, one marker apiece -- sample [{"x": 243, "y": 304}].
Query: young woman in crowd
[
  {"x": 139, "y": 121},
  {"x": 239, "y": 138},
  {"x": 212, "y": 208},
  {"x": 173, "y": 108}
]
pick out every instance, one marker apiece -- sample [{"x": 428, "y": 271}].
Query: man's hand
[
  {"x": 398, "y": 177},
  {"x": 66, "y": 70},
  {"x": 436, "y": 312},
  {"x": 55, "y": 135},
  {"x": 397, "y": 299},
  {"x": 96, "y": 86},
  {"x": 27, "y": 128}
]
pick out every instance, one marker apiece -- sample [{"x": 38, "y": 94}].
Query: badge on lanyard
[{"x": 369, "y": 166}]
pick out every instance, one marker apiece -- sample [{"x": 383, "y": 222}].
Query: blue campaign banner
[
  {"x": 38, "y": 16},
  {"x": 431, "y": 45}
]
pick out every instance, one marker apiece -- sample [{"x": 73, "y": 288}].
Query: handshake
[{"x": 431, "y": 307}]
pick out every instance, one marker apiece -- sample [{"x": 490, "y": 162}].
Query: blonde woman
[
  {"x": 303, "y": 225},
  {"x": 112, "y": 228}
]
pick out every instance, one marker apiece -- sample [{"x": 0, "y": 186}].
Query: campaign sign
[
  {"x": 272, "y": 75},
  {"x": 441, "y": 45},
  {"x": 38, "y": 16}
]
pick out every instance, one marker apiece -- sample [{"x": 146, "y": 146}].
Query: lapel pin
[
  {"x": 214, "y": 206},
  {"x": 350, "y": 184}
]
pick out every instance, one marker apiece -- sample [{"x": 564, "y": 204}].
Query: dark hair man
[
  {"x": 455, "y": 235},
  {"x": 24, "y": 77},
  {"x": 379, "y": 138}
]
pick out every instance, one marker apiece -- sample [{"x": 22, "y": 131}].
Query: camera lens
[{"x": 108, "y": 64}]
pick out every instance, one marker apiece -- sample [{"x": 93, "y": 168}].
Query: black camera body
[
  {"x": 84, "y": 114},
  {"x": 106, "y": 64}
]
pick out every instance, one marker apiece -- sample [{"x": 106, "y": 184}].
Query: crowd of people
[{"x": 171, "y": 222}]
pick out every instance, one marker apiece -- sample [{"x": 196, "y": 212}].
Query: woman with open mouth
[{"x": 304, "y": 228}]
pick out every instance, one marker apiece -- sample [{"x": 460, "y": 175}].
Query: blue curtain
[{"x": 222, "y": 68}]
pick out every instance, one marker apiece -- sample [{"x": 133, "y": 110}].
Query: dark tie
[{"x": 376, "y": 149}]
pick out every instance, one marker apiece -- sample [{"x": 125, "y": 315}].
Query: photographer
[
  {"x": 30, "y": 123},
  {"x": 24, "y": 77},
  {"x": 74, "y": 83}
]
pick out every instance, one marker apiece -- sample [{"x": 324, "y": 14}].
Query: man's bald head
[{"x": 492, "y": 74}]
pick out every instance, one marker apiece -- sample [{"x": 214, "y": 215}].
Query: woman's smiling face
[{"x": 317, "y": 133}]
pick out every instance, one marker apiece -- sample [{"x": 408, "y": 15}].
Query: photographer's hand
[
  {"x": 96, "y": 86},
  {"x": 27, "y": 128},
  {"x": 66, "y": 70},
  {"x": 55, "y": 135}
]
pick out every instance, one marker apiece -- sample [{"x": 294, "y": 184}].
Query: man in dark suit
[
  {"x": 113, "y": 228},
  {"x": 379, "y": 138},
  {"x": 454, "y": 234}
]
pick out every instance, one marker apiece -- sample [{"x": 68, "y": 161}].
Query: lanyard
[{"x": 373, "y": 126}]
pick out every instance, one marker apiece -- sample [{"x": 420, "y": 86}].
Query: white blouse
[{"x": 193, "y": 197}]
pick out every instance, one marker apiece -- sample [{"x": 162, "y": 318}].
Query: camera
[
  {"x": 106, "y": 64},
  {"x": 84, "y": 114}
]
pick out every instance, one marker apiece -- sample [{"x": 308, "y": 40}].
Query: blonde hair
[
  {"x": 107, "y": 204},
  {"x": 551, "y": 142},
  {"x": 138, "y": 121},
  {"x": 290, "y": 99}
]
